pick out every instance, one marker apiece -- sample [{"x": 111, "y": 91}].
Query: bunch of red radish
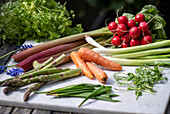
[{"x": 123, "y": 37}]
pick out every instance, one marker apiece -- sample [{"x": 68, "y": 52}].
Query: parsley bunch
[
  {"x": 143, "y": 79},
  {"x": 37, "y": 20}
]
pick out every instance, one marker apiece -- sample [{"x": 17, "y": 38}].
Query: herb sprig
[{"x": 142, "y": 80}]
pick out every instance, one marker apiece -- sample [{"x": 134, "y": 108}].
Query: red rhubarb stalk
[{"x": 26, "y": 64}]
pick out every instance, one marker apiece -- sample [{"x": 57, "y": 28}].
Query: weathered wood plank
[
  {"x": 5, "y": 49},
  {"x": 55, "y": 112},
  {"x": 76, "y": 113},
  {"x": 5, "y": 109},
  {"x": 19, "y": 110},
  {"x": 37, "y": 111},
  {"x": 168, "y": 108}
]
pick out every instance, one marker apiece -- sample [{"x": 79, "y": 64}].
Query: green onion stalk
[{"x": 83, "y": 90}]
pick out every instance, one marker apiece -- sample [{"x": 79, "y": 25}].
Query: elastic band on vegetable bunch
[{"x": 24, "y": 47}]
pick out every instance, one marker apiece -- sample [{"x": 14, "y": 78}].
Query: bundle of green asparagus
[{"x": 39, "y": 76}]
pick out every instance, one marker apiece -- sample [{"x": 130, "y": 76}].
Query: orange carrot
[
  {"x": 97, "y": 72},
  {"x": 81, "y": 64},
  {"x": 87, "y": 54}
]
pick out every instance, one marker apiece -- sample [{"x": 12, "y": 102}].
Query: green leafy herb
[
  {"x": 142, "y": 80},
  {"x": 37, "y": 20}
]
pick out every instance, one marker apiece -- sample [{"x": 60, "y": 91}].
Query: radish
[
  {"x": 134, "y": 42},
  {"x": 134, "y": 32},
  {"x": 148, "y": 32},
  {"x": 112, "y": 27},
  {"x": 146, "y": 40},
  {"x": 131, "y": 23},
  {"x": 122, "y": 20},
  {"x": 121, "y": 29},
  {"x": 126, "y": 38},
  {"x": 143, "y": 26},
  {"x": 124, "y": 45},
  {"x": 116, "y": 41},
  {"x": 139, "y": 17}
]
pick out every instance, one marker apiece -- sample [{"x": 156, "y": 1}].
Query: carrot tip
[{"x": 104, "y": 79}]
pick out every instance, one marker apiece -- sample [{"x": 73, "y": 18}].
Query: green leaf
[
  {"x": 129, "y": 16},
  {"x": 159, "y": 23},
  {"x": 156, "y": 22},
  {"x": 149, "y": 9},
  {"x": 160, "y": 33}
]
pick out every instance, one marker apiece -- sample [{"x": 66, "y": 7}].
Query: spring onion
[
  {"x": 133, "y": 49},
  {"x": 84, "y": 90},
  {"x": 136, "y": 62},
  {"x": 143, "y": 53},
  {"x": 93, "y": 42}
]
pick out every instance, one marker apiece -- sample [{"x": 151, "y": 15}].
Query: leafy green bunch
[
  {"x": 142, "y": 80},
  {"x": 37, "y": 20}
]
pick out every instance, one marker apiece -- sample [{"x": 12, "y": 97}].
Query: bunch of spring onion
[
  {"x": 84, "y": 90},
  {"x": 150, "y": 54},
  {"x": 39, "y": 76}
]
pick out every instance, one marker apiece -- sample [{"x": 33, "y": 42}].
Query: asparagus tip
[
  {"x": 6, "y": 90},
  {"x": 26, "y": 95},
  {"x": 5, "y": 83}
]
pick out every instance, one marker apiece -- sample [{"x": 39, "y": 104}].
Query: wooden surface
[{"x": 18, "y": 110}]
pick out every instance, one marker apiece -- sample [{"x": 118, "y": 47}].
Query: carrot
[
  {"x": 97, "y": 72},
  {"x": 27, "y": 63},
  {"x": 81, "y": 64},
  {"x": 87, "y": 54}
]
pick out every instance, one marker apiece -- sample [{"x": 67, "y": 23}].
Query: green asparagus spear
[
  {"x": 52, "y": 77},
  {"x": 47, "y": 71},
  {"x": 9, "y": 89},
  {"x": 55, "y": 62},
  {"x": 47, "y": 62},
  {"x": 32, "y": 88},
  {"x": 27, "y": 73}
]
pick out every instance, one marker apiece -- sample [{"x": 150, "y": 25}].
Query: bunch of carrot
[{"x": 83, "y": 59}]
